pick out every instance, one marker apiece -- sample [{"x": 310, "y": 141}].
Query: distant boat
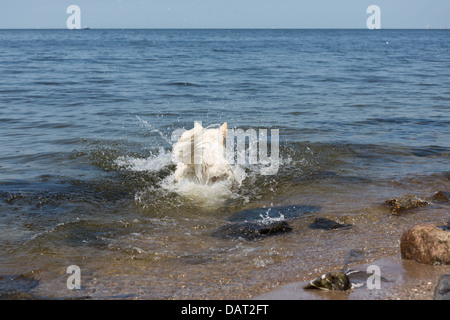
[
  {"x": 427, "y": 27},
  {"x": 86, "y": 28}
]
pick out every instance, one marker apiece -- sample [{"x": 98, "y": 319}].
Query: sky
[{"x": 32, "y": 14}]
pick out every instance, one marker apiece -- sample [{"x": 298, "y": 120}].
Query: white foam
[
  {"x": 152, "y": 163},
  {"x": 205, "y": 195},
  {"x": 151, "y": 129}
]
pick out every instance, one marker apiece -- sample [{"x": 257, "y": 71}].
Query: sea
[{"x": 87, "y": 122}]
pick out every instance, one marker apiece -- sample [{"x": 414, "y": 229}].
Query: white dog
[{"x": 200, "y": 156}]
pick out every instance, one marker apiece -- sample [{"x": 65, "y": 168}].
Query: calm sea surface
[{"x": 86, "y": 118}]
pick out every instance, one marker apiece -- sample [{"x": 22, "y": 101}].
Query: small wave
[
  {"x": 185, "y": 84},
  {"x": 48, "y": 83},
  {"x": 152, "y": 129},
  {"x": 431, "y": 151},
  {"x": 15, "y": 90},
  {"x": 403, "y": 121},
  {"x": 101, "y": 81}
]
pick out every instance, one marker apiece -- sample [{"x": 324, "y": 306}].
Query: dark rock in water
[
  {"x": 442, "y": 291},
  {"x": 252, "y": 230},
  {"x": 327, "y": 224},
  {"x": 445, "y": 226},
  {"x": 426, "y": 243},
  {"x": 330, "y": 281},
  {"x": 404, "y": 203},
  {"x": 16, "y": 286},
  {"x": 288, "y": 212},
  {"x": 261, "y": 222},
  {"x": 442, "y": 196}
]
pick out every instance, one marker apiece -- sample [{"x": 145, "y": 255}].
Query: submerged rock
[
  {"x": 426, "y": 243},
  {"x": 442, "y": 196},
  {"x": 327, "y": 224},
  {"x": 445, "y": 226},
  {"x": 442, "y": 291},
  {"x": 287, "y": 212},
  {"x": 17, "y": 286},
  {"x": 405, "y": 203},
  {"x": 337, "y": 280},
  {"x": 252, "y": 230}
]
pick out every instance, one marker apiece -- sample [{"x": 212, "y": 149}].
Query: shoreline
[{"x": 407, "y": 280}]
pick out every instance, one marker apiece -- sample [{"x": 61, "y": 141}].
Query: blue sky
[{"x": 224, "y": 13}]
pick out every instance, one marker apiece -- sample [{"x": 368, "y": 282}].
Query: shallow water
[{"x": 85, "y": 153}]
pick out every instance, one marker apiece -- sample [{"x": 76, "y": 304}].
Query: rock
[
  {"x": 445, "y": 226},
  {"x": 442, "y": 196},
  {"x": 426, "y": 243},
  {"x": 405, "y": 203},
  {"x": 442, "y": 291},
  {"x": 327, "y": 224},
  {"x": 252, "y": 230},
  {"x": 288, "y": 212},
  {"x": 17, "y": 287},
  {"x": 336, "y": 280}
]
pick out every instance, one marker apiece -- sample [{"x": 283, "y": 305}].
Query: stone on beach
[
  {"x": 336, "y": 280},
  {"x": 441, "y": 196},
  {"x": 426, "y": 243},
  {"x": 327, "y": 224},
  {"x": 252, "y": 230},
  {"x": 442, "y": 291},
  {"x": 405, "y": 203}
]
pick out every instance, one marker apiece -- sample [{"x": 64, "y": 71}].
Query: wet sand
[{"x": 407, "y": 280}]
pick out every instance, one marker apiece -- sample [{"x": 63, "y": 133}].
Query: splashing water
[
  {"x": 267, "y": 219},
  {"x": 152, "y": 163},
  {"x": 150, "y": 127},
  {"x": 208, "y": 196}
]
